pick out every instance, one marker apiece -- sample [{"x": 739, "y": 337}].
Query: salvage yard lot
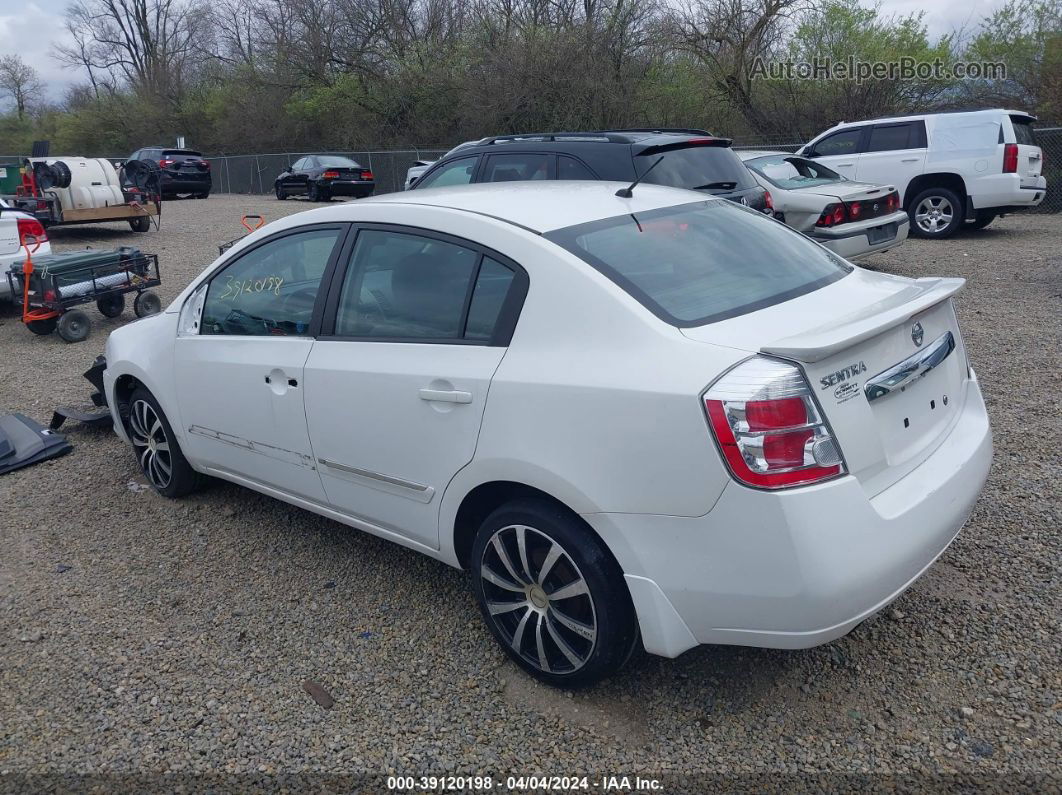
[{"x": 140, "y": 635}]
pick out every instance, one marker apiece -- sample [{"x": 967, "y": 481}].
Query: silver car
[{"x": 851, "y": 219}]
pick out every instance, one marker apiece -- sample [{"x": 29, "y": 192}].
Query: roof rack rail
[
  {"x": 558, "y": 136},
  {"x": 678, "y": 130}
]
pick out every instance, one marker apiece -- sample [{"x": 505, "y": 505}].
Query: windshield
[
  {"x": 715, "y": 169},
  {"x": 791, "y": 172},
  {"x": 336, "y": 162},
  {"x": 698, "y": 263}
]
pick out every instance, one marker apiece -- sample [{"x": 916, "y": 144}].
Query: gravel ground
[{"x": 141, "y": 636}]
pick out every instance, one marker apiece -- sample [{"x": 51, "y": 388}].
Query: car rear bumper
[
  {"x": 356, "y": 188},
  {"x": 803, "y": 567},
  {"x": 1007, "y": 190},
  {"x": 852, "y": 240},
  {"x": 186, "y": 184}
]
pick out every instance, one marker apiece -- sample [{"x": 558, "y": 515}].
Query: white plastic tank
[{"x": 93, "y": 183}]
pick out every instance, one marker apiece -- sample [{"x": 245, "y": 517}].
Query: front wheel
[
  {"x": 936, "y": 213},
  {"x": 281, "y": 194},
  {"x": 552, "y": 595},
  {"x": 156, "y": 447}
]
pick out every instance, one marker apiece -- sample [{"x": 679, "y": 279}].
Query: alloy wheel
[
  {"x": 934, "y": 214},
  {"x": 538, "y": 599},
  {"x": 152, "y": 446}
]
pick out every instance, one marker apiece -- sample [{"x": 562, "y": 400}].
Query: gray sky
[{"x": 33, "y": 27}]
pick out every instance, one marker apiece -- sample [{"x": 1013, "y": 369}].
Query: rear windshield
[
  {"x": 336, "y": 161},
  {"x": 1023, "y": 130},
  {"x": 791, "y": 172},
  {"x": 698, "y": 263},
  {"x": 715, "y": 169},
  {"x": 180, "y": 153}
]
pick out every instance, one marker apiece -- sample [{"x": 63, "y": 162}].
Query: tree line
[{"x": 238, "y": 76}]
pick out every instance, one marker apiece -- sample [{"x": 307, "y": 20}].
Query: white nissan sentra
[{"x": 663, "y": 419}]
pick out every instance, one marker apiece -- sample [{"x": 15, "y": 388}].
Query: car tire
[
  {"x": 203, "y": 195},
  {"x": 74, "y": 326},
  {"x": 281, "y": 195},
  {"x": 524, "y": 554},
  {"x": 111, "y": 305},
  {"x": 43, "y": 327},
  {"x": 140, "y": 224},
  {"x": 157, "y": 450},
  {"x": 146, "y": 303},
  {"x": 983, "y": 219},
  {"x": 313, "y": 193},
  {"x": 936, "y": 213}
]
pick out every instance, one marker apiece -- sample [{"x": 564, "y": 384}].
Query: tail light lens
[
  {"x": 1010, "y": 158},
  {"x": 855, "y": 210},
  {"x": 892, "y": 202},
  {"x": 331, "y": 175},
  {"x": 166, "y": 162},
  {"x": 769, "y": 426},
  {"x": 33, "y": 228},
  {"x": 768, "y": 200},
  {"x": 367, "y": 175},
  {"x": 833, "y": 214},
  {"x": 206, "y": 164}
]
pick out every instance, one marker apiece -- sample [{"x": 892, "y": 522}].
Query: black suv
[
  {"x": 692, "y": 159},
  {"x": 181, "y": 171}
]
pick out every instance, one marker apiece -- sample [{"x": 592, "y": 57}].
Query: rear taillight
[
  {"x": 206, "y": 164},
  {"x": 855, "y": 210},
  {"x": 31, "y": 227},
  {"x": 1010, "y": 158},
  {"x": 768, "y": 200},
  {"x": 331, "y": 175},
  {"x": 832, "y": 215},
  {"x": 166, "y": 162},
  {"x": 769, "y": 426},
  {"x": 367, "y": 175},
  {"x": 892, "y": 202}
]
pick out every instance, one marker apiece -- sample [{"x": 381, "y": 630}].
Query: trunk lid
[
  {"x": 1030, "y": 155},
  {"x": 877, "y": 322},
  {"x": 849, "y": 191},
  {"x": 9, "y": 242}
]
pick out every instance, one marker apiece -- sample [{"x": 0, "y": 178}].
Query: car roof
[
  {"x": 538, "y": 206},
  {"x": 635, "y": 135},
  {"x": 916, "y": 116}
]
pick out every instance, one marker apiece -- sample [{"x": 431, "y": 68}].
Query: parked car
[
  {"x": 415, "y": 171},
  {"x": 852, "y": 219},
  {"x": 15, "y": 226},
  {"x": 949, "y": 168},
  {"x": 320, "y": 177},
  {"x": 182, "y": 172},
  {"x": 663, "y": 417},
  {"x": 693, "y": 159}
]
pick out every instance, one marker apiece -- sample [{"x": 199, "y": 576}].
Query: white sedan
[
  {"x": 852, "y": 219},
  {"x": 15, "y": 227},
  {"x": 664, "y": 419}
]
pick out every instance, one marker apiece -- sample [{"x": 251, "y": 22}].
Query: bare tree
[{"x": 20, "y": 82}]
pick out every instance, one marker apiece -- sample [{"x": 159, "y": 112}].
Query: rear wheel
[
  {"x": 551, "y": 594},
  {"x": 111, "y": 305},
  {"x": 140, "y": 224},
  {"x": 43, "y": 327},
  {"x": 73, "y": 326},
  {"x": 983, "y": 219},
  {"x": 281, "y": 194},
  {"x": 156, "y": 447},
  {"x": 147, "y": 303},
  {"x": 203, "y": 195},
  {"x": 936, "y": 213}
]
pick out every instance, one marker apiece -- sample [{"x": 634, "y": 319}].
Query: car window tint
[
  {"x": 570, "y": 168},
  {"x": 517, "y": 167},
  {"x": 456, "y": 172},
  {"x": 791, "y": 172},
  {"x": 336, "y": 161},
  {"x": 885, "y": 138},
  {"x": 697, "y": 263},
  {"x": 1023, "y": 130},
  {"x": 709, "y": 168},
  {"x": 270, "y": 289},
  {"x": 300, "y": 163},
  {"x": 405, "y": 286},
  {"x": 488, "y": 297},
  {"x": 845, "y": 142}
]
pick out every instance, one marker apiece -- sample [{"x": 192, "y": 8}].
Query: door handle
[
  {"x": 845, "y": 165},
  {"x": 909, "y": 160},
  {"x": 446, "y": 395}
]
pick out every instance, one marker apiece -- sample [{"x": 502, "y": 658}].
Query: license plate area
[{"x": 879, "y": 234}]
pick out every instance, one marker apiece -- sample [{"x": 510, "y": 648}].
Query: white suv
[{"x": 949, "y": 168}]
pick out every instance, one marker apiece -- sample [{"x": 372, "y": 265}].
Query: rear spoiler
[
  {"x": 824, "y": 341},
  {"x": 688, "y": 143}
]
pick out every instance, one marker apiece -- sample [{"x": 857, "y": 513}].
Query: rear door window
[
  {"x": 570, "y": 168},
  {"x": 887, "y": 137},
  {"x": 711, "y": 168},
  {"x": 518, "y": 167},
  {"x": 697, "y": 263}
]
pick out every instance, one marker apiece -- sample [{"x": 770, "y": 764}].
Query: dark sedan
[{"x": 320, "y": 177}]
